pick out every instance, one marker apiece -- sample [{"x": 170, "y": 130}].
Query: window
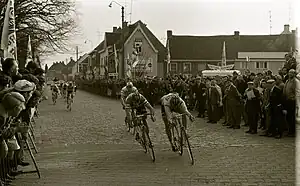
[
  {"x": 261, "y": 65},
  {"x": 265, "y": 64},
  {"x": 173, "y": 67},
  {"x": 256, "y": 64},
  {"x": 187, "y": 67},
  {"x": 138, "y": 45}
]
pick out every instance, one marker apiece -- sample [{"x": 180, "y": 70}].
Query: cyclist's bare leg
[{"x": 168, "y": 131}]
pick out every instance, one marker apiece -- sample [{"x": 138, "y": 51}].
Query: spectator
[
  {"x": 252, "y": 107},
  {"x": 291, "y": 91}
]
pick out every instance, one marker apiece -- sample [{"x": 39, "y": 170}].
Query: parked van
[{"x": 212, "y": 73}]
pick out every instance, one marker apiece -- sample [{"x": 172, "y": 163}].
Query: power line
[{"x": 270, "y": 17}]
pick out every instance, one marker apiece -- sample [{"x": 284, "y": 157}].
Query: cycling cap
[
  {"x": 12, "y": 99},
  {"x": 24, "y": 86}
]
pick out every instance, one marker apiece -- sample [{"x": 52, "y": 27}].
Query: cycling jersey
[
  {"x": 70, "y": 89},
  {"x": 166, "y": 101},
  {"x": 138, "y": 104},
  {"x": 135, "y": 103},
  {"x": 54, "y": 88},
  {"x": 125, "y": 92}
]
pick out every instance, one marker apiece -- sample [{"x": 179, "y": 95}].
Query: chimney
[
  {"x": 169, "y": 33},
  {"x": 115, "y": 29},
  {"x": 286, "y": 29},
  {"x": 295, "y": 32},
  {"x": 125, "y": 24},
  {"x": 236, "y": 33}
]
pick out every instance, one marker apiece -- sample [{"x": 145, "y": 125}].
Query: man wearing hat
[
  {"x": 233, "y": 101},
  {"x": 276, "y": 110},
  {"x": 11, "y": 106},
  {"x": 252, "y": 107},
  {"x": 291, "y": 92}
]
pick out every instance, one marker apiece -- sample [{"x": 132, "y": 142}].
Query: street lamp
[
  {"x": 87, "y": 40},
  {"x": 122, "y": 37}
]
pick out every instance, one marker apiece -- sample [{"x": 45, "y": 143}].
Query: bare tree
[{"x": 50, "y": 24}]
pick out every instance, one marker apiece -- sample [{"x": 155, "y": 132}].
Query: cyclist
[
  {"x": 64, "y": 90},
  {"x": 70, "y": 91},
  {"x": 173, "y": 103},
  {"x": 75, "y": 88},
  {"x": 139, "y": 102},
  {"x": 125, "y": 91},
  {"x": 55, "y": 91}
]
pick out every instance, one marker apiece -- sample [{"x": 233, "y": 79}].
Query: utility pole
[
  {"x": 123, "y": 43},
  {"x": 77, "y": 58}
]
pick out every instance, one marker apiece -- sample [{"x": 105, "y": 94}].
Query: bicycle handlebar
[{"x": 142, "y": 115}]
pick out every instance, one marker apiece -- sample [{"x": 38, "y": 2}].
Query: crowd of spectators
[
  {"x": 258, "y": 100},
  {"x": 20, "y": 92}
]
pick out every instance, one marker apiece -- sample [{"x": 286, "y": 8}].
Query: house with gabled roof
[
  {"x": 192, "y": 54},
  {"x": 149, "y": 52}
]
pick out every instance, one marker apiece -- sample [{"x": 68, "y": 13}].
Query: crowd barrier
[{"x": 26, "y": 142}]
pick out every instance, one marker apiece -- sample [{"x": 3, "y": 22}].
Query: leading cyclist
[
  {"x": 125, "y": 91},
  {"x": 140, "y": 103},
  {"x": 55, "y": 92},
  {"x": 70, "y": 92},
  {"x": 173, "y": 103}
]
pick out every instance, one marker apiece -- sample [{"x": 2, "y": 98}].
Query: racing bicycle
[
  {"x": 54, "y": 97},
  {"x": 141, "y": 131},
  {"x": 179, "y": 135},
  {"x": 69, "y": 101}
]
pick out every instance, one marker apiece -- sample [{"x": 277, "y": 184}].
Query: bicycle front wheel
[
  {"x": 149, "y": 145},
  {"x": 177, "y": 139},
  {"x": 188, "y": 146}
]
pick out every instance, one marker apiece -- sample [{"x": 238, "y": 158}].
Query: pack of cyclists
[
  {"x": 66, "y": 90},
  {"x": 132, "y": 99}
]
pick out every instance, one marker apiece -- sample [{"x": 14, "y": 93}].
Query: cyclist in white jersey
[
  {"x": 173, "y": 103},
  {"x": 125, "y": 91}
]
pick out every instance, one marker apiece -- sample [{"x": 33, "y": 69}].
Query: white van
[{"x": 212, "y": 73}]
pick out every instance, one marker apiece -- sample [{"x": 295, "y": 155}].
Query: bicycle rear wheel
[
  {"x": 127, "y": 124},
  {"x": 188, "y": 146},
  {"x": 177, "y": 139}
]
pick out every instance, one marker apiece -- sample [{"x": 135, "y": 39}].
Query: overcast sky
[{"x": 183, "y": 17}]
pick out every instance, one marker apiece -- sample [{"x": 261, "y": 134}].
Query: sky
[{"x": 183, "y": 17}]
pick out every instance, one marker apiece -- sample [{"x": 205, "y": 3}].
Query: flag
[
  {"x": 29, "y": 52},
  {"x": 223, "y": 55},
  {"x": 116, "y": 59},
  {"x": 247, "y": 58},
  {"x": 136, "y": 62},
  {"x": 8, "y": 40},
  {"x": 128, "y": 73},
  {"x": 168, "y": 56}
]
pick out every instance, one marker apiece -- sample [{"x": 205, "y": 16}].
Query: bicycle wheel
[
  {"x": 127, "y": 124},
  {"x": 142, "y": 139},
  {"x": 177, "y": 139},
  {"x": 188, "y": 146},
  {"x": 150, "y": 146},
  {"x": 148, "y": 142},
  {"x": 53, "y": 100}
]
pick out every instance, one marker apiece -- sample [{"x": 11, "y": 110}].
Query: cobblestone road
[{"x": 90, "y": 146}]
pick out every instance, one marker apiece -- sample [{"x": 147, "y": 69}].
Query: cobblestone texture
[{"x": 90, "y": 146}]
